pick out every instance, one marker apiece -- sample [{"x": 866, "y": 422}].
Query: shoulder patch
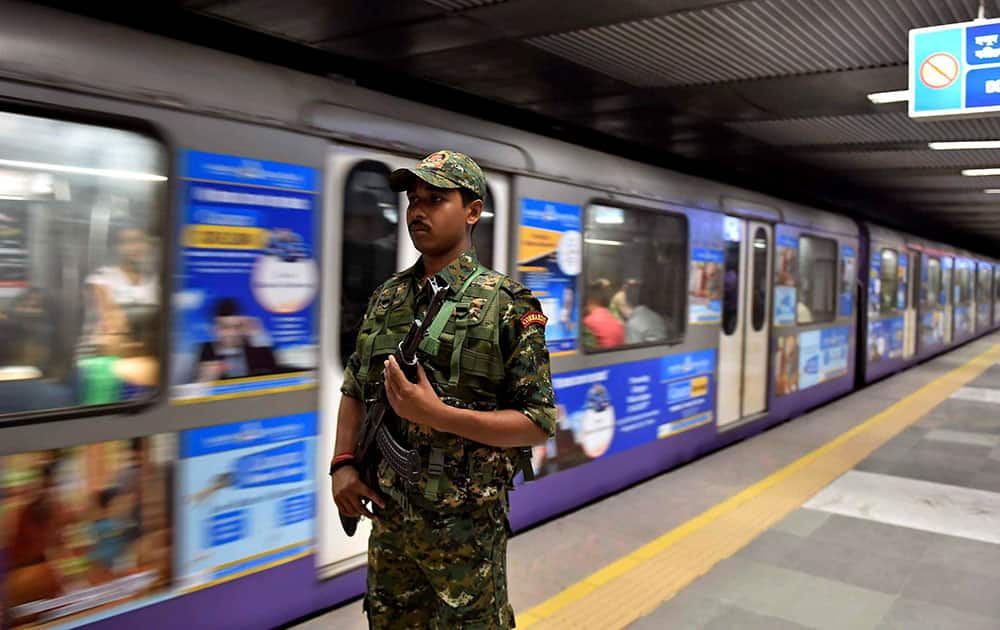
[{"x": 534, "y": 317}]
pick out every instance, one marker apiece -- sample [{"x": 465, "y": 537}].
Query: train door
[
  {"x": 743, "y": 342},
  {"x": 908, "y": 265},
  {"x": 366, "y": 241}
]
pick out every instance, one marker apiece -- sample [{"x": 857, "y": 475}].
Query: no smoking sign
[{"x": 939, "y": 70}]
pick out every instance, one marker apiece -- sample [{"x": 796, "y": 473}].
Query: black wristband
[{"x": 335, "y": 466}]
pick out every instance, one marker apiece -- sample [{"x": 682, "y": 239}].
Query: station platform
[{"x": 879, "y": 510}]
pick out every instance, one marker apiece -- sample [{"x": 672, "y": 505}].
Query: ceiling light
[
  {"x": 965, "y": 144},
  {"x": 597, "y": 241},
  {"x": 897, "y": 96},
  {"x": 82, "y": 170},
  {"x": 992, "y": 191},
  {"x": 980, "y": 172}
]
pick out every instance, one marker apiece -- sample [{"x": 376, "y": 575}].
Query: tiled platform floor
[{"x": 817, "y": 568}]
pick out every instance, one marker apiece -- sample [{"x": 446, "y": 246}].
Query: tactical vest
[{"x": 463, "y": 360}]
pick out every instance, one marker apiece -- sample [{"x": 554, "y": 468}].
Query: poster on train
[
  {"x": 875, "y": 282},
  {"x": 848, "y": 271},
  {"x": 706, "y": 283},
  {"x": 245, "y": 498},
  {"x": 931, "y": 328},
  {"x": 822, "y": 355},
  {"x": 87, "y": 530},
  {"x": 786, "y": 364},
  {"x": 902, "y": 281},
  {"x": 615, "y": 408},
  {"x": 549, "y": 259},
  {"x": 247, "y": 278},
  {"x": 885, "y": 339},
  {"x": 14, "y": 260},
  {"x": 785, "y": 278}
]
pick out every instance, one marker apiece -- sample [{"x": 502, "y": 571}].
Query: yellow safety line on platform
[{"x": 639, "y": 582}]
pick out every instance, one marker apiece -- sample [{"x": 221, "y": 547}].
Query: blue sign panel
[
  {"x": 848, "y": 269},
  {"x": 247, "y": 278},
  {"x": 245, "y": 497},
  {"x": 955, "y": 69},
  {"x": 549, "y": 259},
  {"x": 612, "y": 409}
]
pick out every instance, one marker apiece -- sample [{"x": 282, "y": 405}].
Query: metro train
[{"x": 187, "y": 242}]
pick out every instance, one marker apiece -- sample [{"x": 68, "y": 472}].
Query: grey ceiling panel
[
  {"x": 459, "y": 5},
  {"x": 866, "y": 128},
  {"x": 755, "y": 40},
  {"x": 855, "y": 160},
  {"x": 902, "y": 183},
  {"x": 311, "y": 21}
]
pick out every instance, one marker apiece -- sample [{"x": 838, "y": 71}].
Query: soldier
[{"x": 438, "y": 549}]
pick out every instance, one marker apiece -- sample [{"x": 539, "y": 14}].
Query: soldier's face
[{"x": 436, "y": 218}]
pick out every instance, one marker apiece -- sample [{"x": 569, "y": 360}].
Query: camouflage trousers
[{"x": 429, "y": 570}]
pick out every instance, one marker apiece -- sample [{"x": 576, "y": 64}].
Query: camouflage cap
[{"x": 443, "y": 169}]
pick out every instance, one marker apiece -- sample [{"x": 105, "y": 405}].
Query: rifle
[{"x": 375, "y": 440}]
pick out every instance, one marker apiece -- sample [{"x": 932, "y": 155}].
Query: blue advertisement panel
[
  {"x": 615, "y": 408},
  {"x": 705, "y": 291},
  {"x": 874, "y": 282},
  {"x": 902, "y": 281},
  {"x": 246, "y": 497},
  {"x": 247, "y": 278},
  {"x": 848, "y": 271},
  {"x": 549, "y": 259},
  {"x": 931, "y": 328},
  {"x": 785, "y": 279},
  {"x": 822, "y": 355},
  {"x": 963, "y": 320},
  {"x": 885, "y": 339}
]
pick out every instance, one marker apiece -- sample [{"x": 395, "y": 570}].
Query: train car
[
  {"x": 920, "y": 298},
  {"x": 183, "y": 269}
]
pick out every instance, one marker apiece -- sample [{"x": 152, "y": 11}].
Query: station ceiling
[{"x": 769, "y": 94}]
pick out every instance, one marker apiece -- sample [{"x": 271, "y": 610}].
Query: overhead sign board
[{"x": 955, "y": 70}]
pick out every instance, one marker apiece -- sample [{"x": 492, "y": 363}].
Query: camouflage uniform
[{"x": 437, "y": 555}]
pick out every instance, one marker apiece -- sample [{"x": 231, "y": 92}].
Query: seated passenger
[
  {"x": 620, "y": 305},
  {"x": 802, "y": 313},
  {"x": 644, "y": 325},
  {"x": 600, "y": 327},
  {"x": 129, "y": 285},
  {"x": 24, "y": 385}
]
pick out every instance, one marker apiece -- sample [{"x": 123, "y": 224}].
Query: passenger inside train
[{"x": 601, "y": 329}]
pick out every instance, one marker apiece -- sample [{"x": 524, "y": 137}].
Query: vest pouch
[
  {"x": 450, "y": 490},
  {"x": 490, "y": 473}
]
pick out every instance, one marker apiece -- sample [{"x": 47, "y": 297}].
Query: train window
[
  {"x": 80, "y": 264},
  {"x": 931, "y": 291},
  {"x": 482, "y": 235},
  {"x": 761, "y": 255},
  {"x": 817, "y": 294},
  {"x": 368, "y": 252},
  {"x": 889, "y": 281},
  {"x": 731, "y": 275},
  {"x": 628, "y": 298},
  {"x": 996, "y": 282},
  {"x": 964, "y": 284},
  {"x": 983, "y": 288}
]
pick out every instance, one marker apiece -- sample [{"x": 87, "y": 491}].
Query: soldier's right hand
[{"x": 349, "y": 492}]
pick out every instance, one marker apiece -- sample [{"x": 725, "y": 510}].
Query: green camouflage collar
[{"x": 455, "y": 274}]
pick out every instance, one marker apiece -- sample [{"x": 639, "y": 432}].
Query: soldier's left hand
[{"x": 417, "y": 402}]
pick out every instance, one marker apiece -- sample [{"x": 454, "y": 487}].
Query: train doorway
[{"x": 745, "y": 336}]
